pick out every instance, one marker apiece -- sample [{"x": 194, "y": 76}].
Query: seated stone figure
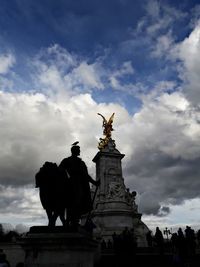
[{"x": 52, "y": 183}]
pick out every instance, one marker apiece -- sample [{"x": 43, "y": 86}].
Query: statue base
[{"x": 55, "y": 247}]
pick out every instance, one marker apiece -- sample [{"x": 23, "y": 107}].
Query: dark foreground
[
  {"x": 147, "y": 258},
  {"x": 124, "y": 256},
  {"x": 143, "y": 258}
]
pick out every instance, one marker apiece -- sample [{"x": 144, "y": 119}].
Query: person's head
[{"x": 75, "y": 150}]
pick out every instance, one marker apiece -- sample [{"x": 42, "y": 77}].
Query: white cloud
[
  {"x": 163, "y": 151},
  {"x": 159, "y": 17},
  {"x": 23, "y": 201},
  {"x": 5, "y": 84},
  {"x": 60, "y": 56},
  {"x": 6, "y": 62},
  {"x": 88, "y": 75},
  {"x": 176, "y": 101},
  {"x": 62, "y": 73},
  {"x": 159, "y": 89},
  {"x": 163, "y": 46},
  {"x": 122, "y": 72},
  {"x": 179, "y": 216},
  {"x": 188, "y": 52},
  {"x": 153, "y": 8},
  {"x": 36, "y": 128}
]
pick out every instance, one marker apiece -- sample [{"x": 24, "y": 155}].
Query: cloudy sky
[{"x": 62, "y": 62}]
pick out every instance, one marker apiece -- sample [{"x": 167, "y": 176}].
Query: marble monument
[{"x": 114, "y": 206}]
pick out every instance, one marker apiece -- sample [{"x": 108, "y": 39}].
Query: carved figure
[
  {"x": 79, "y": 194},
  {"x": 107, "y": 125},
  {"x": 115, "y": 190},
  {"x": 130, "y": 198}
]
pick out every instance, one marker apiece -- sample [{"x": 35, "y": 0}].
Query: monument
[
  {"x": 65, "y": 193},
  {"x": 114, "y": 206}
]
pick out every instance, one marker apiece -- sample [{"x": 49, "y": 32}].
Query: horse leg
[
  {"x": 68, "y": 218},
  {"x": 54, "y": 217},
  {"x": 49, "y": 215},
  {"x": 62, "y": 216}
]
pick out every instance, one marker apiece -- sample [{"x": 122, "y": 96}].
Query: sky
[{"x": 62, "y": 62}]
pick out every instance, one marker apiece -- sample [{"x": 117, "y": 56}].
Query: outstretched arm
[
  {"x": 92, "y": 181},
  {"x": 87, "y": 176}
]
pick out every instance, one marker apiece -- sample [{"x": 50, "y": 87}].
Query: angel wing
[
  {"x": 110, "y": 121},
  {"x": 104, "y": 119}
]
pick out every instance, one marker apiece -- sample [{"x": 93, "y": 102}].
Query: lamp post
[{"x": 167, "y": 232}]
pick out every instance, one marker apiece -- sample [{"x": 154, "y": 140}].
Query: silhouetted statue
[
  {"x": 52, "y": 183},
  {"x": 79, "y": 189}
]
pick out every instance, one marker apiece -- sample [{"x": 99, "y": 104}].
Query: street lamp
[{"x": 167, "y": 232}]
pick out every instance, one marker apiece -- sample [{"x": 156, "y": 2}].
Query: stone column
[{"x": 115, "y": 207}]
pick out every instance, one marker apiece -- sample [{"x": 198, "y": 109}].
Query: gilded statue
[{"x": 107, "y": 129}]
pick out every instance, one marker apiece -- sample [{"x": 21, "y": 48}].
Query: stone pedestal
[
  {"x": 115, "y": 207},
  {"x": 44, "y": 248}
]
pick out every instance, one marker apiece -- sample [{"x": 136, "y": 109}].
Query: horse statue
[{"x": 52, "y": 182}]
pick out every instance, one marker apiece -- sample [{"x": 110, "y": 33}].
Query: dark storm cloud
[
  {"x": 11, "y": 199},
  {"x": 165, "y": 174},
  {"x": 168, "y": 177},
  {"x": 8, "y": 200},
  {"x": 19, "y": 204}
]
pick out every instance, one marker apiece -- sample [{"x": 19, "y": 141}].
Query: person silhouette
[
  {"x": 3, "y": 259},
  {"x": 159, "y": 240},
  {"x": 149, "y": 238},
  {"x": 80, "y": 201}
]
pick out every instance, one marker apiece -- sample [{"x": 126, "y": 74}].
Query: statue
[
  {"x": 52, "y": 183},
  {"x": 80, "y": 201},
  {"x": 107, "y": 125},
  {"x": 65, "y": 189},
  {"x": 130, "y": 198},
  {"x": 115, "y": 191}
]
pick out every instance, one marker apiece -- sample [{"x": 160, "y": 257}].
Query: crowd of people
[
  {"x": 189, "y": 238},
  {"x": 182, "y": 245},
  {"x": 123, "y": 242},
  {"x": 177, "y": 241}
]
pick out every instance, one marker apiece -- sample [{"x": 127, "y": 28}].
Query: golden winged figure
[{"x": 107, "y": 125}]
